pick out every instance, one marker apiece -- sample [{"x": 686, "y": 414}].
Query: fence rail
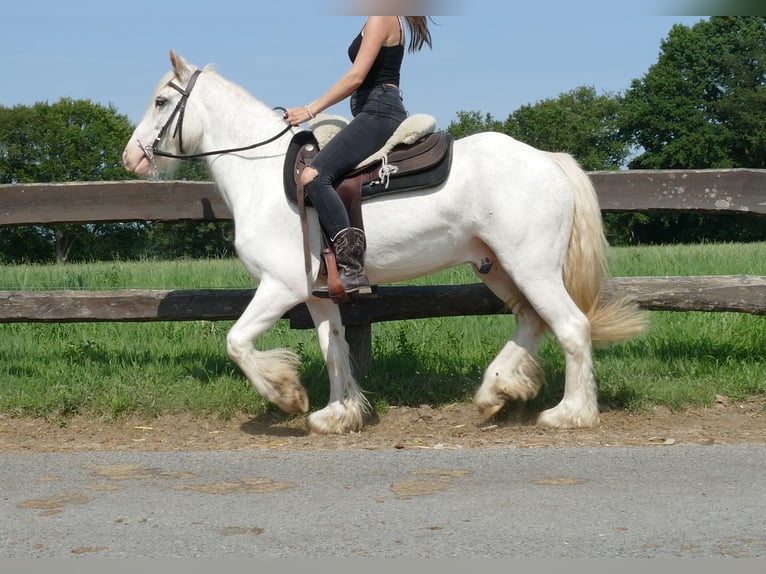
[
  {"x": 702, "y": 191},
  {"x": 732, "y": 293}
]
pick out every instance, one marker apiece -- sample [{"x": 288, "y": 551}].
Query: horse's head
[{"x": 164, "y": 126}]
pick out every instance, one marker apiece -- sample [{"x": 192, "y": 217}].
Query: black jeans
[{"x": 377, "y": 113}]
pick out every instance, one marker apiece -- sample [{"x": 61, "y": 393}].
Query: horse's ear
[{"x": 180, "y": 65}]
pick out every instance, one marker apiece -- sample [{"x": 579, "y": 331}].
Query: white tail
[{"x": 586, "y": 266}]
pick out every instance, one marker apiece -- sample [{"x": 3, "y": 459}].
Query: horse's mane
[{"x": 239, "y": 90}]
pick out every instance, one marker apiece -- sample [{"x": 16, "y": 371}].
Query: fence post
[{"x": 359, "y": 338}]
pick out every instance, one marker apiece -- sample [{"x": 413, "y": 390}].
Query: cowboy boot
[{"x": 350, "y": 245}]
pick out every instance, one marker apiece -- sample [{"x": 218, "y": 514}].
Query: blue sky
[{"x": 490, "y": 56}]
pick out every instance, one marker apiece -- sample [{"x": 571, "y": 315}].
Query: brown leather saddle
[{"x": 423, "y": 164}]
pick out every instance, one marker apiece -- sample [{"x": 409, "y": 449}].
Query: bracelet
[{"x": 308, "y": 109}]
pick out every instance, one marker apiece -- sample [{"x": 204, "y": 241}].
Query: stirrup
[
  {"x": 329, "y": 286},
  {"x": 359, "y": 291},
  {"x": 322, "y": 291}
]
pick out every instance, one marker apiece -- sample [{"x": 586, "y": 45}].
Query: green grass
[
  {"x": 112, "y": 369},
  {"x": 180, "y": 274}
]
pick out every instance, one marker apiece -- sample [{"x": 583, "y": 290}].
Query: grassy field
[{"x": 110, "y": 369}]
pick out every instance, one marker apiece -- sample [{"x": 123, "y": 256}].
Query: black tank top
[{"x": 387, "y": 66}]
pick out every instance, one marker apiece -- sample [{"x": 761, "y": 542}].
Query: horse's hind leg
[
  {"x": 537, "y": 295},
  {"x": 273, "y": 373},
  {"x": 547, "y": 294},
  {"x": 514, "y": 374},
  {"x": 347, "y": 407}
]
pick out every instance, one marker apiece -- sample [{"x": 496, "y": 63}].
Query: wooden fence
[{"x": 703, "y": 191}]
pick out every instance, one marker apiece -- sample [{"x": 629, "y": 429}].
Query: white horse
[{"x": 529, "y": 220}]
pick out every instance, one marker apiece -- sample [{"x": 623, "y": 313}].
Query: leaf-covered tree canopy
[
  {"x": 78, "y": 140},
  {"x": 70, "y": 140},
  {"x": 703, "y": 104},
  {"x": 580, "y": 122},
  {"x": 469, "y": 123}
]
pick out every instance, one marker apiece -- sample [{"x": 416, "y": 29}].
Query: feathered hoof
[
  {"x": 496, "y": 391},
  {"x": 564, "y": 416},
  {"x": 488, "y": 410},
  {"x": 513, "y": 376},
  {"x": 336, "y": 418},
  {"x": 293, "y": 400}
]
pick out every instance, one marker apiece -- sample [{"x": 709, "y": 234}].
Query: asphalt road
[{"x": 659, "y": 501}]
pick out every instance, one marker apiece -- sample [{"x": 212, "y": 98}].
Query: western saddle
[{"x": 416, "y": 157}]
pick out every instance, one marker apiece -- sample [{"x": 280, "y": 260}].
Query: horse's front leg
[
  {"x": 347, "y": 407},
  {"x": 273, "y": 373}
]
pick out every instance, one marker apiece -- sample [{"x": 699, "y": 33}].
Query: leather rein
[{"x": 152, "y": 151}]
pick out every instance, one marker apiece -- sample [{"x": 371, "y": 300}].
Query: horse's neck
[{"x": 234, "y": 118}]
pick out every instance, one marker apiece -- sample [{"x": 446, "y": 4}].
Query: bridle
[{"x": 152, "y": 151}]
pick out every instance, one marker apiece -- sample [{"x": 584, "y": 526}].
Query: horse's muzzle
[{"x": 139, "y": 159}]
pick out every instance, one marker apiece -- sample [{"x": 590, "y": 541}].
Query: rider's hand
[{"x": 297, "y": 116}]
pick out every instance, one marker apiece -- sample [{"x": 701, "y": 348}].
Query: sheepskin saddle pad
[{"x": 416, "y": 156}]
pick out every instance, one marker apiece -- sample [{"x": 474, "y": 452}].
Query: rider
[{"x": 376, "y": 104}]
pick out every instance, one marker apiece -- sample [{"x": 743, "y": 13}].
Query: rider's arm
[{"x": 376, "y": 32}]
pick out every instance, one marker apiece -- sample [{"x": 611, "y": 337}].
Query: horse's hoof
[
  {"x": 336, "y": 418},
  {"x": 563, "y": 417},
  {"x": 295, "y": 403},
  {"x": 486, "y": 412}
]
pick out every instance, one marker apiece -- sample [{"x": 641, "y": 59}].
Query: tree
[
  {"x": 469, "y": 123},
  {"x": 580, "y": 122},
  {"x": 701, "y": 106},
  {"x": 71, "y": 140}
]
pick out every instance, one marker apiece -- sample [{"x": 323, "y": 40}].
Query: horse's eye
[{"x": 160, "y": 101}]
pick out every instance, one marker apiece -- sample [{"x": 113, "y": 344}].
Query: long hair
[{"x": 419, "y": 32}]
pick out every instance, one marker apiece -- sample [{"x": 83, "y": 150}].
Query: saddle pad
[
  {"x": 412, "y": 129},
  {"x": 432, "y": 154},
  {"x": 436, "y": 156}
]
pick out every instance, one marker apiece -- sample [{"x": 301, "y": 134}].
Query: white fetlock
[
  {"x": 566, "y": 416},
  {"x": 513, "y": 376},
  {"x": 336, "y": 418}
]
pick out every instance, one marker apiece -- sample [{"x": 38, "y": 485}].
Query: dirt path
[{"x": 400, "y": 428}]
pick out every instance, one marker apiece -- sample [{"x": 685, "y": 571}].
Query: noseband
[{"x": 151, "y": 151}]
